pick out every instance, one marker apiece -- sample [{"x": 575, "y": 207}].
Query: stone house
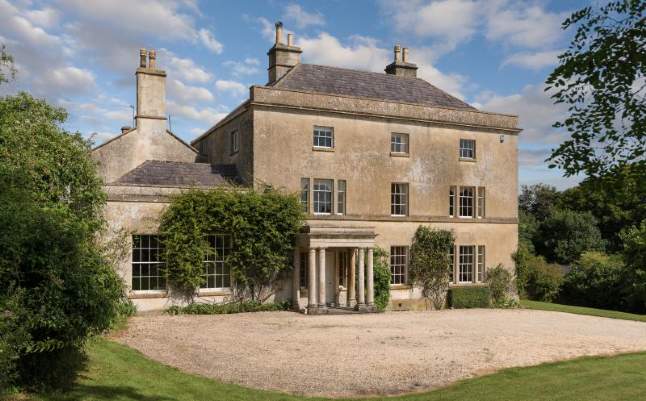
[{"x": 372, "y": 155}]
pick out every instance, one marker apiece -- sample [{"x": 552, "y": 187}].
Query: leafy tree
[
  {"x": 261, "y": 225},
  {"x": 56, "y": 286},
  {"x": 566, "y": 234},
  {"x": 595, "y": 280},
  {"x": 601, "y": 78},
  {"x": 634, "y": 255},
  {"x": 429, "y": 265},
  {"x": 616, "y": 199},
  {"x": 537, "y": 200},
  {"x": 381, "y": 274},
  {"x": 500, "y": 283},
  {"x": 7, "y": 69},
  {"x": 543, "y": 279}
]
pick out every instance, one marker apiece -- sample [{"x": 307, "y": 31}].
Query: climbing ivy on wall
[{"x": 261, "y": 225}]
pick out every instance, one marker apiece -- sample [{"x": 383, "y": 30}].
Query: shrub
[
  {"x": 500, "y": 285},
  {"x": 595, "y": 280},
  {"x": 262, "y": 227},
  {"x": 381, "y": 274},
  {"x": 469, "y": 297},
  {"x": 543, "y": 279},
  {"x": 429, "y": 265},
  {"x": 634, "y": 256},
  {"x": 522, "y": 259},
  {"x": 196, "y": 308}
]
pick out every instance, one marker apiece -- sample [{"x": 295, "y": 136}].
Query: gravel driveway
[{"x": 376, "y": 353}]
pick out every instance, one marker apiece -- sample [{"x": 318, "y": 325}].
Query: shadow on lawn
[{"x": 97, "y": 392}]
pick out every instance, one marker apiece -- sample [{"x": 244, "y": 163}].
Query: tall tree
[
  {"x": 601, "y": 76},
  {"x": 7, "y": 69}
]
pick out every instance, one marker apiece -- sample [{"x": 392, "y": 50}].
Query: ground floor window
[
  {"x": 217, "y": 274},
  {"x": 304, "y": 268},
  {"x": 398, "y": 264},
  {"x": 466, "y": 264},
  {"x": 451, "y": 263},
  {"x": 481, "y": 263},
  {"x": 147, "y": 263}
]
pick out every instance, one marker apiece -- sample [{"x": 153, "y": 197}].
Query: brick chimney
[
  {"x": 151, "y": 93},
  {"x": 282, "y": 57},
  {"x": 401, "y": 66}
]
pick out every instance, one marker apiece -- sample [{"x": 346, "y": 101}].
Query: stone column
[
  {"x": 321, "y": 277},
  {"x": 296, "y": 280},
  {"x": 361, "y": 291},
  {"x": 311, "y": 288},
  {"x": 371, "y": 280},
  {"x": 352, "y": 294}
]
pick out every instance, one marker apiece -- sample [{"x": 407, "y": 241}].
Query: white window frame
[
  {"x": 467, "y": 149},
  {"x": 321, "y": 135},
  {"x": 341, "y": 196},
  {"x": 466, "y": 202},
  {"x": 452, "y": 264},
  {"x": 234, "y": 141},
  {"x": 147, "y": 255},
  {"x": 399, "y": 191},
  {"x": 481, "y": 202},
  {"x": 398, "y": 265},
  {"x": 466, "y": 263},
  {"x": 319, "y": 196},
  {"x": 399, "y": 143},
  {"x": 452, "y": 203},
  {"x": 216, "y": 258},
  {"x": 482, "y": 256}
]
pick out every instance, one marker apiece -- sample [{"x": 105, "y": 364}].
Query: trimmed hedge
[
  {"x": 469, "y": 297},
  {"x": 227, "y": 308}
]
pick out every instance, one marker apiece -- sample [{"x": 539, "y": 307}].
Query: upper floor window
[
  {"x": 234, "y": 142},
  {"x": 147, "y": 263},
  {"x": 322, "y": 196},
  {"x": 305, "y": 194},
  {"x": 481, "y": 202},
  {"x": 323, "y": 137},
  {"x": 399, "y": 143},
  {"x": 340, "y": 196},
  {"x": 466, "y": 201},
  {"x": 467, "y": 149},
  {"x": 398, "y": 264},
  {"x": 217, "y": 274},
  {"x": 398, "y": 199},
  {"x": 451, "y": 201}
]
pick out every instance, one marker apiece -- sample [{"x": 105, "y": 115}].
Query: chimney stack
[
  {"x": 125, "y": 129},
  {"x": 282, "y": 57},
  {"x": 401, "y": 66},
  {"x": 151, "y": 93}
]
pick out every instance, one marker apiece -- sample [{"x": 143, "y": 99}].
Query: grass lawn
[
  {"x": 118, "y": 373},
  {"x": 581, "y": 310}
]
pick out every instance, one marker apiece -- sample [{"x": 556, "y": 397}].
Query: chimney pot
[
  {"x": 290, "y": 39},
  {"x": 279, "y": 32},
  {"x": 398, "y": 50},
  {"x": 142, "y": 58},
  {"x": 152, "y": 59},
  {"x": 125, "y": 129},
  {"x": 405, "y": 54}
]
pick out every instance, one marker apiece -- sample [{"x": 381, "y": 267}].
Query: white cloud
[
  {"x": 247, "y": 67},
  {"x": 207, "y": 39},
  {"x": 182, "y": 68},
  {"x": 230, "y": 86},
  {"x": 206, "y": 115},
  {"x": 186, "y": 93},
  {"x": 533, "y": 60},
  {"x": 296, "y": 14},
  {"x": 267, "y": 29},
  {"x": 68, "y": 80},
  {"x": 46, "y": 17},
  {"x": 522, "y": 25}
]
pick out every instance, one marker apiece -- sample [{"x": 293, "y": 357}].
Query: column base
[
  {"x": 317, "y": 310},
  {"x": 361, "y": 307}
]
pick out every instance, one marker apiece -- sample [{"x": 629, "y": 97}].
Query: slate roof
[
  {"x": 179, "y": 174},
  {"x": 342, "y": 81}
]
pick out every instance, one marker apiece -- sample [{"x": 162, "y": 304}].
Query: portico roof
[{"x": 317, "y": 235}]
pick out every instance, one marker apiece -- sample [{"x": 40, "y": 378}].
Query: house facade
[{"x": 372, "y": 155}]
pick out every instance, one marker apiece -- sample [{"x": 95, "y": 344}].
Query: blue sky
[{"x": 494, "y": 54}]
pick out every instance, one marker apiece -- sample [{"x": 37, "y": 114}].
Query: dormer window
[
  {"x": 323, "y": 137},
  {"x": 467, "y": 149}
]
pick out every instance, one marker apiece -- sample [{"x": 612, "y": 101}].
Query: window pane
[
  {"x": 467, "y": 148},
  {"x": 323, "y": 137},
  {"x": 481, "y": 202},
  {"x": 340, "y": 196},
  {"x": 466, "y": 264},
  {"x": 481, "y": 263},
  {"x": 217, "y": 274},
  {"x": 451, "y": 201},
  {"x": 305, "y": 193},
  {"x": 147, "y": 263},
  {"x": 304, "y": 269},
  {"x": 466, "y": 201},
  {"x": 399, "y": 143},
  {"x": 399, "y": 199},
  {"x": 398, "y": 264},
  {"x": 322, "y": 196}
]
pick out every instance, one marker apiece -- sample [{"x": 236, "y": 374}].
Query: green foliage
[
  {"x": 564, "y": 235},
  {"x": 600, "y": 77},
  {"x": 634, "y": 256},
  {"x": 7, "y": 69},
  {"x": 56, "y": 287},
  {"x": 429, "y": 265},
  {"x": 500, "y": 282},
  {"x": 469, "y": 297},
  {"x": 197, "y": 308},
  {"x": 522, "y": 259},
  {"x": 261, "y": 225},
  {"x": 543, "y": 279},
  {"x": 537, "y": 200},
  {"x": 595, "y": 280},
  {"x": 381, "y": 274},
  {"x": 617, "y": 200}
]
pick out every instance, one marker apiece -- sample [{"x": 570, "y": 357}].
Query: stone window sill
[
  {"x": 468, "y": 159},
  {"x": 322, "y": 149},
  {"x": 399, "y": 154},
  {"x": 144, "y": 294},
  {"x": 213, "y": 292},
  {"x": 400, "y": 286}
]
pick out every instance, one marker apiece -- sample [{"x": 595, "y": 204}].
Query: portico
[{"x": 338, "y": 267}]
